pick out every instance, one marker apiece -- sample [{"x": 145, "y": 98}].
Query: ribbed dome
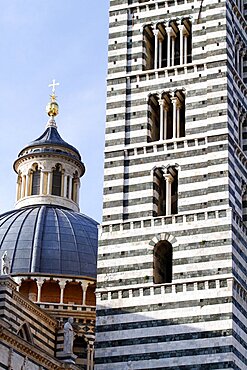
[
  {"x": 50, "y": 137},
  {"x": 49, "y": 239}
]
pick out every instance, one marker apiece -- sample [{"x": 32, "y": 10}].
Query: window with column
[
  {"x": 162, "y": 263},
  {"x": 165, "y": 191},
  {"x": 166, "y": 116},
  {"x": 167, "y": 44},
  {"x": 240, "y": 56},
  {"x": 56, "y": 180},
  {"x": 35, "y": 181}
]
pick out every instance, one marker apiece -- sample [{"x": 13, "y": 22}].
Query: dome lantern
[{"x": 48, "y": 168}]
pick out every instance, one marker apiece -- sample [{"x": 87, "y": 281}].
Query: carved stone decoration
[
  {"x": 5, "y": 266},
  {"x": 68, "y": 336},
  {"x": 10, "y": 359},
  {"x": 25, "y": 365}
]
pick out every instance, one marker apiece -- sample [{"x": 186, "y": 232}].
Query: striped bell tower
[{"x": 172, "y": 261}]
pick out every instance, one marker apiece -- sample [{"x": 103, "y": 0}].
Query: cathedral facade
[{"x": 171, "y": 283}]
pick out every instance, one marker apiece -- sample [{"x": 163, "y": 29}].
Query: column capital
[{"x": 168, "y": 177}]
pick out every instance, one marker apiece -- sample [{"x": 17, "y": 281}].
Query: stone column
[
  {"x": 161, "y": 39},
  {"x": 156, "y": 46},
  {"x": 70, "y": 187},
  {"x": 23, "y": 185},
  {"x": 169, "y": 180},
  {"x": 166, "y": 108},
  {"x": 84, "y": 292},
  {"x": 18, "y": 188},
  {"x": 49, "y": 179},
  {"x": 181, "y": 31},
  {"x": 62, "y": 285},
  {"x": 78, "y": 191},
  {"x": 178, "y": 118},
  {"x": 174, "y": 121},
  {"x": 168, "y": 32},
  {"x": 185, "y": 49},
  {"x": 161, "y": 103},
  {"x": 39, "y": 286},
  {"x": 173, "y": 51},
  {"x": 41, "y": 190},
  {"x": 27, "y": 184},
  {"x": 65, "y": 186}
]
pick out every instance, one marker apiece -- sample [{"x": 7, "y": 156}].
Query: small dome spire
[{"x": 52, "y": 107}]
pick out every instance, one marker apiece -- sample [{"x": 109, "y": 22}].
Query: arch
[
  {"x": 163, "y": 236},
  {"x": 25, "y": 333},
  {"x": 149, "y": 44},
  {"x": 162, "y": 262},
  {"x": 29, "y": 289},
  {"x": 57, "y": 180},
  {"x": 35, "y": 188},
  {"x": 50, "y": 292},
  {"x": 153, "y": 118},
  {"x": 80, "y": 350},
  {"x": 90, "y": 295},
  {"x": 165, "y": 191},
  {"x": 73, "y": 293}
]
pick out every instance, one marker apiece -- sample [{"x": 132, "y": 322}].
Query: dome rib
[
  {"x": 36, "y": 255},
  {"x": 17, "y": 240},
  {"x": 75, "y": 243}
]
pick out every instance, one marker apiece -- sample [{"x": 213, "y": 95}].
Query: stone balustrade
[
  {"x": 166, "y": 220},
  {"x": 161, "y": 289}
]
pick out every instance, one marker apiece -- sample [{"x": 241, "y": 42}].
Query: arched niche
[
  {"x": 50, "y": 292},
  {"x": 29, "y": 289},
  {"x": 90, "y": 295},
  {"x": 25, "y": 333},
  {"x": 73, "y": 293},
  {"x": 162, "y": 262}
]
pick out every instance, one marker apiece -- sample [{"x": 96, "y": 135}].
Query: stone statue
[
  {"x": 5, "y": 264},
  {"x": 68, "y": 336}
]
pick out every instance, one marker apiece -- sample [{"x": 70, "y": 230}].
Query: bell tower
[{"x": 171, "y": 287}]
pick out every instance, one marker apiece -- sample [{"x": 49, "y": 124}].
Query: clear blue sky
[{"x": 40, "y": 41}]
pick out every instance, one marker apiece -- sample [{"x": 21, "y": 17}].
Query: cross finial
[{"x": 53, "y": 85}]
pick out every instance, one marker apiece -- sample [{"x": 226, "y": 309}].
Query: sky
[{"x": 44, "y": 40}]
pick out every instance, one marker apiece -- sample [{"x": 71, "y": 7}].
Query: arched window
[
  {"x": 90, "y": 296},
  {"x": 57, "y": 181},
  {"x": 36, "y": 181},
  {"x": 165, "y": 196},
  {"x": 162, "y": 262},
  {"x": 149, "y": 48},
  {"x": 153, "y": 118}
]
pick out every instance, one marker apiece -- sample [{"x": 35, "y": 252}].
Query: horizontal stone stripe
[
  {"x": 149, "y": 279},
  {"x": 176, "y": 337},
  {"x": 138, "y": 310},
  {"x": 165, "y": 354}
]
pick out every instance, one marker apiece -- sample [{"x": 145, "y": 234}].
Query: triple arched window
[
  {"x": 166, "y": 116},
  {"x": 167, "y": 44}
]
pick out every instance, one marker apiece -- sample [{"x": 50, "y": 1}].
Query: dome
[
  {"x": 50, "y": 240},
  {"x": 47, "y": 141}
]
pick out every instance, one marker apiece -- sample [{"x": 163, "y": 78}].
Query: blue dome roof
[
  {"x": 51, "y": 136},
  {"x": 49, "y": 239}
]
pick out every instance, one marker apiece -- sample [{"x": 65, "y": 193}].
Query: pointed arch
[{"x": 25, "y": 333}]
